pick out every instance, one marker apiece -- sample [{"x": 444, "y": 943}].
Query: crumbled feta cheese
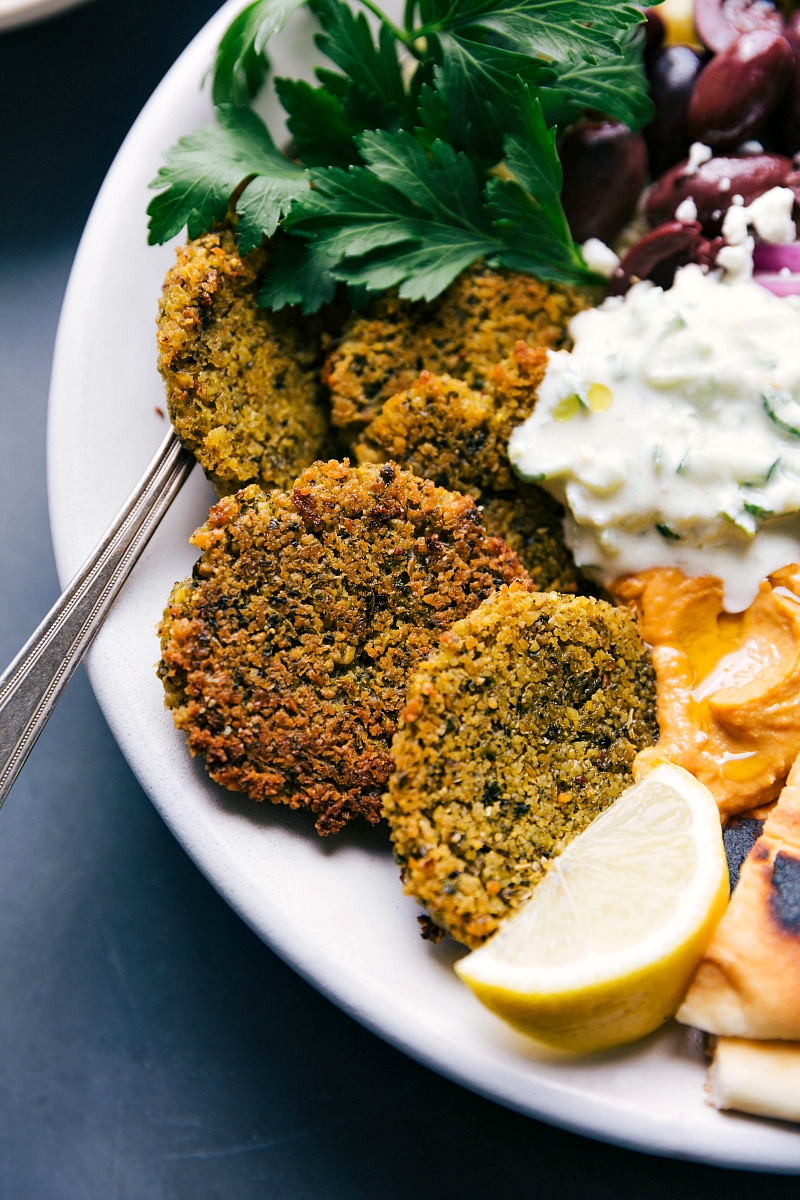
[
  {"x": 771, "y": 216},
  {"x": 698, "y": 154},
  {"x": 599, "y": 257},
  {"x": 686, "y": 210}
]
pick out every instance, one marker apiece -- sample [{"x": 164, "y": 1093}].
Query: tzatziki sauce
[{"x": 671, "y": 432}]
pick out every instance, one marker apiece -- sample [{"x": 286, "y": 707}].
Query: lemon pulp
[{"x": 606, "y": 946}]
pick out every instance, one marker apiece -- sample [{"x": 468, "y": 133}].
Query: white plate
[
  {"x": 25, "y": 12},
  {"x": 333, "y": 909}
]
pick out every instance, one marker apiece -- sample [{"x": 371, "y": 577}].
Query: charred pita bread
[
  {"x": 756, "y": 1077},
  {"x": 748, "y": 984}
]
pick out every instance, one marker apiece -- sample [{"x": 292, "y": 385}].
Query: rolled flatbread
[{"x": 748, "y": 984}]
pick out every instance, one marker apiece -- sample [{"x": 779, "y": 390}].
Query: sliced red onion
[
  {"x": 772, "y": 258},
  {"x": 778, "y": 284}
]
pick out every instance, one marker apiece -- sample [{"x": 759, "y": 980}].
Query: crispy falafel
[
  {"x": 243, "y": 384},
  {"x": 444, "y": 430},
  {"x": 463, "y": 333},
  {"x": 517, "y": 732},
  {"x": 285, "y": 657},
  {"x": 531, "y": 523}
]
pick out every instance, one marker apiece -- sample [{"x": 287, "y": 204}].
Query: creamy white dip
[{"x": 671, "y": 432}]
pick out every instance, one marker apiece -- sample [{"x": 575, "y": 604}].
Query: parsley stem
[
  {"x": 425, "y": 31},
  {"x": 408, "y": 15},
  {"x": 398, "y": 33}
]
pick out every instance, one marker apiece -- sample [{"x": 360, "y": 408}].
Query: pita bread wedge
[
  {"x": 748, "y": 984},
  {"x": 756, "y": 1077}
]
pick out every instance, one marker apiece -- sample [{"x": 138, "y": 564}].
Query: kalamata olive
[
  {"x": 719, "y": 22},
  {"x": 658, "y": 255},
  {"x": 714, "y": 184},
  {"x": 654, "y": 30},
  {"x": 789, "y": 132},
  {"x": 672, "y": 72},
  {"x": 605, "y": 170},
  {"x": 739, "y": 89}
]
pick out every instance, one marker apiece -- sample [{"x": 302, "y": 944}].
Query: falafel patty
[
  {"x": 463, "y": 333},
  {"x": 243, "y": 384},
  {"x": 442, "y": 429},
  {"x": 531, "y": 523},
  {"x": 285, "y": 657},
  {"x": 517, "y": 732},
  {"x": 445, "y": 430}
]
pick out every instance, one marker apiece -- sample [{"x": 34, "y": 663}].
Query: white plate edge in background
[{"x": 16, "y": 13}]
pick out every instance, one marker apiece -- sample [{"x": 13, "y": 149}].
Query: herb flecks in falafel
[
  {"x": 444, "y": 430},
  {"x": 518, "y": 731},
  {"x": 464, "y": 333},
  {"x": 243, "y": 387},
  {"x": 285, "y": 658}
]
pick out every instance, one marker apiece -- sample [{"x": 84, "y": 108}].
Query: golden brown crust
[
  {"x": 517, "y": 732},
  {"x": 463, "y": 333},
  {"x": 531, "y": 523},
  {"x": 285, "y": 658},
  {"x": 444, "y": 430},
  {"x": 243, "y": 389}
]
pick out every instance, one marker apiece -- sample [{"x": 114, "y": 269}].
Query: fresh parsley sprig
[
  {"x": 431, "y": 146},
  {"x": 205, "y": 169},
  {"x": 413, "y": 219}
]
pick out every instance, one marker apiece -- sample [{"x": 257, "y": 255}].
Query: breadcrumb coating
[
  {"x": 464, "y": 333},
  {"x": 517, "y": 732},
  {"x": 531, "y": 523},
  {"x": 243, "y": 384},
  {"x": 444, "y": 430},
  {"x": 285, "y": 658}
]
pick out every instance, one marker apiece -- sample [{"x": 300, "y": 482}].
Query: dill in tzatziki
[{"x": 671, "y": 432}]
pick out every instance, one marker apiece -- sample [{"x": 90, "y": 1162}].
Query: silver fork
[{"x": 32, "y": 685}]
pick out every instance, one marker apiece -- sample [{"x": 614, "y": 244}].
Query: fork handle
[{"x": 31, "y": 686}]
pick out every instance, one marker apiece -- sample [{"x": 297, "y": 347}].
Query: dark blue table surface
[{"x": 151, "y": 1047}]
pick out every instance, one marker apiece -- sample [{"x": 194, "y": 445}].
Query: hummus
[{"x": 727, "y": 683}]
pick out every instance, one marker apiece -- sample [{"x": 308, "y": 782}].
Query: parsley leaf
[
  {"x": 615, "y": 87},
  {"x": 422, "y": 149},
  {"x": 404, "y": 220},
  {"x": 478, "y": 81},
  {"x": 579, "y": 54},
  {"x": 372, "y": 70},
  {"x": 298, "y": 274},
  {"x": 241, "y": 64},
  {"x": 527, "y": 209},
  {"x": 414, "y": 221},
  {"x": 558, "y": 29},
  {"x": 369, "y": 95},
  {"x": 203, "y": 171},
  {"x": 322, "y": 130},
  {"x": 433, "y": 117}
]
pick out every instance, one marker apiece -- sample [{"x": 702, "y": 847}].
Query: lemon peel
[{"x": 605, "y": 948}]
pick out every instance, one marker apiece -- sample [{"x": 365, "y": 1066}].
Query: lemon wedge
[{"x": 606, "y": 946}]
